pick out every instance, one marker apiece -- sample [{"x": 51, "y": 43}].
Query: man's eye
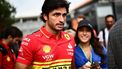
[
  {"x": 64, "y": 15},
  {"x": 57, "y": 14}
]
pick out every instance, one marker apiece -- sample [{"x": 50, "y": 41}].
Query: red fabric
[
  {"x": 7, "y": 60},
  {"x": 43, "y": 46},
  {"x": 0, "y": 60}
]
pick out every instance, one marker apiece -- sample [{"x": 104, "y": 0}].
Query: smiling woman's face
[{"x": 84, "y": 34}]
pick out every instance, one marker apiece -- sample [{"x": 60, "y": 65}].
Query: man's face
[
  {"x": 109, "y": 22},
  {"x": 56, "y": 19},
  {"x": 15, "y": 41}
]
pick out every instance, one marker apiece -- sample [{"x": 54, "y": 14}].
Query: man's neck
[{"x": 56, "y": 33}]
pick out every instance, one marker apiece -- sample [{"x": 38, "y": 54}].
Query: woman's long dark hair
[{"x": 95, "y": 45}]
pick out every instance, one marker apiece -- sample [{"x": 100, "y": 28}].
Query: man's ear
[{"x": 45, "y": 17}]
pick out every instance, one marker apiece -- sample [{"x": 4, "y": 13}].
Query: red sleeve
[
  {"x": 25, "y": 52},
  {"x": 0, "y": 60}
]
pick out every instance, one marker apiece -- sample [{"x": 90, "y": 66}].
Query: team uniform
[
  {"x": 7, "y": 57},
  {"x": 42, "y": 50}
]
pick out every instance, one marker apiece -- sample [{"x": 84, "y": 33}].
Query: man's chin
[{"x": 60, "y": 29}]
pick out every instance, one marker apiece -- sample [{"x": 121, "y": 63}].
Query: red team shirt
[
  {"x": 7, "y": 60},
  {"x": 42, "y": 50}
]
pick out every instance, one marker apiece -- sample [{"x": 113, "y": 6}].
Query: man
[
  {"x": 50, "y": 47},
  {"x": 9, "y": 37},
  {"x": 115, "y": 46},
  {"x": 103, "y": 34}
]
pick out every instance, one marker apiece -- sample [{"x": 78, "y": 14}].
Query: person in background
[
  {"x": 88, "y": 51},
  {"x": 74, "y": 24},
  {"x": 50, "y": 47},
  {"x": 115, "y": 46},
  {"x": 73, "y": 27},
  {"x": 80, "y": 18},
  {"x": 9, "y": 37},
  {"x": 104, "y": 33}
]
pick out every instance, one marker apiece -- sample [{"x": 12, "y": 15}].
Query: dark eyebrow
[
  {"x": 57, "y": 13},
  {"x": 65, "y": 14}
]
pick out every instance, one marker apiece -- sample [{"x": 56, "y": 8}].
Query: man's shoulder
[
  {"x": 68, "y": 37},
  {"x": 34, "y": 34},
  {"x": 101, "y": 31},
  {"x": 66, "y": 34},
  {"x": 32, "y": 37}
]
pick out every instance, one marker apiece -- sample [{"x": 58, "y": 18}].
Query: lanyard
[{"x": 85, "y": 53}]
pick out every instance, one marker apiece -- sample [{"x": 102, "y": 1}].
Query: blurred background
[{"x": 25, "y": 14}]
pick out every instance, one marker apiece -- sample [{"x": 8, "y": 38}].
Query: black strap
[
  {"x": 3, "y": 50},
  {"x": 104, "y": 41}
]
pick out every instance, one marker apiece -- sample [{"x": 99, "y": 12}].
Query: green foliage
[{"x": 6, "y": 12}]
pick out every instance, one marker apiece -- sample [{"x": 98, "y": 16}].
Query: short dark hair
[
  {"x": 50, "y": 5},
  {"x": 11, "y": 30},
  {"x": 109, "y": 16}
]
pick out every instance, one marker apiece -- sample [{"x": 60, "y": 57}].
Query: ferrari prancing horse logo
[{"x": 67, "y": 36}]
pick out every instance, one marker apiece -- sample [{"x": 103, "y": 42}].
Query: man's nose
[{"x": 62, "y": 19}]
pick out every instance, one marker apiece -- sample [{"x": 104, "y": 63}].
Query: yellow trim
[
  {"x": 61, "y": 64},
  {"x": 56, "y": 64},
  {"x": 61, "y": 60},
  {"x": 51, "y": 66}
]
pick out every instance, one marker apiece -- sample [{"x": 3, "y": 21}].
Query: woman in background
[{"x": 89, "y": 54}]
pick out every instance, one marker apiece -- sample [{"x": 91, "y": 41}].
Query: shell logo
[{"x": 46, "y": 48}]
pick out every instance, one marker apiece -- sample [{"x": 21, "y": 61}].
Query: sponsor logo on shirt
[
  {"x": 67, "y": 36},
  {"x": 46, "y": 49},
  {"x": 24, "y": 43},
  {"x": 26, "y": 39},
  {"x": 8, "y": 58},
  {"x": 59, "y": 67},
  {"x": 48, "y": 57},
  {"x": 70, "y": 49}
]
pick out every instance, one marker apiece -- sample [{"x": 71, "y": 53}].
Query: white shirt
[{"x": 100, "y": 36}]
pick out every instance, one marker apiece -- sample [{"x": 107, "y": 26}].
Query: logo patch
[
  {"x": 8, "y": 58},
  {"x": 67, "y": 36},
  {"x": 70, "y": 50},
  {"x": 48, "y": 57},
  {"x": 46, "y": 48}
]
